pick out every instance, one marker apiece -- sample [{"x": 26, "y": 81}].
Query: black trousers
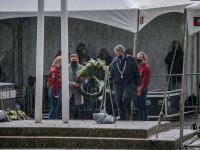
[
  {"x": 123, "y": 98},
  {"x": 125, "y": 111},
  {"x": 74, "y": 109}
]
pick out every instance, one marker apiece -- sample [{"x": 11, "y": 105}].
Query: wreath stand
[
  {"x": 99, "y": 71},
  {"x": 103, "y": 117}
]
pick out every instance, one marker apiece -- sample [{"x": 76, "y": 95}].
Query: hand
[
  {"x": 138, "y": 91},
  {"x": 57, "y": 96},
  {"x": 82, "y": 78},
  {"x": 76, "y": 84}
]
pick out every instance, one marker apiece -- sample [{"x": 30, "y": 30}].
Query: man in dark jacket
[
  {"x": 175, "y": 82},
  {"x": 125, "y": 74}
]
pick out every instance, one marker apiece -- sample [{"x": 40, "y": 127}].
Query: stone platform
[{"x": 89, "y": 135}]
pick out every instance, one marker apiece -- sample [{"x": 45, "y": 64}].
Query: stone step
[
  {"x": 166, "y": 140},
  {"x": 79, "y": 128}
]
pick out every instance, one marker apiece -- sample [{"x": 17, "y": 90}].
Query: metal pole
[
  {"x": 65, "y": 68},
  {"x": 39, "y": 62},
  {"x": 184, "y": 80},
  {"x": 198, "y": 83},
  {"x": 134, "y": 55},
  {"x": 135, "y": 45}
]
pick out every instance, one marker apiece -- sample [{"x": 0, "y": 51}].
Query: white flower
[
  {"x": 13, "y": 112},
  {"x": 92, "y": 60}
]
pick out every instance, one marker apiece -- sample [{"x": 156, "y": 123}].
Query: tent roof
[
  {"x": 118, "y": 13},
  {"x": 192, "y": 12}
]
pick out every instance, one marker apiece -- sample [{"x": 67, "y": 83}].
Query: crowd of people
[{"x": 129, "y": 76}]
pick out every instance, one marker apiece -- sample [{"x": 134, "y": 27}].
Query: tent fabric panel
[
  {"x": 73, "y": 5},
  {"x": 124, "y": 19},
  {"x": 150, "y": 14},
  {"x": 7, "y": 15},
  {"x": 89, "y": 5},
  {"x": 150, "y": 4},
  {"x": 118, "y": 13},
  {"x": 192, "y": 65},
  {"x": 193, "y": 11}
]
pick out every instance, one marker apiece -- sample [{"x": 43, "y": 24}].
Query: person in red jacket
[
  {"x": 55, "y": 81},
  {"x": 145, "y": 72}
]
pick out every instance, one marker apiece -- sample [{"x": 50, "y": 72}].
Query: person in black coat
[
  {"x": 125, "y": 75},
  {"x": 175, "y": 82},
  {"x": 104, "y": 55},
  {"x": 83, "y": 54},
  {"x": 129, "y": 51}
]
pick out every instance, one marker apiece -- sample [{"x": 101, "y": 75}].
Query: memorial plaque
[
  {"x": 8, "y": 95},
  {"x": 13, "y": 94},
  {"x": 4, "y": 95}
]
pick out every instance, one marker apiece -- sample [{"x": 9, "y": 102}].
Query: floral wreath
[
  {"x": 94, "y": 69},
  {"x": 16, "y": 114}
]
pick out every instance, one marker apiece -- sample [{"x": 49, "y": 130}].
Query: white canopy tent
[
  {"x": 193, "y": 13},
  {"x": 192, "y": 26},
  {"x": 193, "y": 21},
  {"x": 130, "y": 15},
  {"x": 118, "y": 13}
]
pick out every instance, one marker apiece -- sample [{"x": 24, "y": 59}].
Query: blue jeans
[
  {"x": 142, "y": 107},
  {"x": 55, "y": 103}
]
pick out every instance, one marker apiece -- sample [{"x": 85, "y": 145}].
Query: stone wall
[{"x": 6, "y": 48}]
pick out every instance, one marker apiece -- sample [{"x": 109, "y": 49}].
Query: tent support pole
[
  {"x": 135, "y": 45},
  {"x": 184, "y": 80},
  {"x": 65, "y": 68},
  {"x": 39, "y": 62},
  {"x": 198, "y": 83},
  {"x": 134, "y": 55}
]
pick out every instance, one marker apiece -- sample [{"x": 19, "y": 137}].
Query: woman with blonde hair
[
  {"x": 55, "y": 81},
  {"x": 145, "y": 72}
]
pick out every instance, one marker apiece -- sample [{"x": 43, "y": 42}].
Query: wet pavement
[
  {"x": 188, "y": 121},
  {"x": 175, "y": 125}
]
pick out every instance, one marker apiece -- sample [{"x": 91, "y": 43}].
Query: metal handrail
[{"x": 160, "y": 75}]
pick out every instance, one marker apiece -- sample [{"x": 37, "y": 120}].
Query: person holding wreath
[{"x": 76, "y": 99}]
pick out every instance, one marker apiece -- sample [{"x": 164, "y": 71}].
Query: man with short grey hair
[
  {"x": 119, "y": 48},
  {"x": 126, "y": 81}
]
